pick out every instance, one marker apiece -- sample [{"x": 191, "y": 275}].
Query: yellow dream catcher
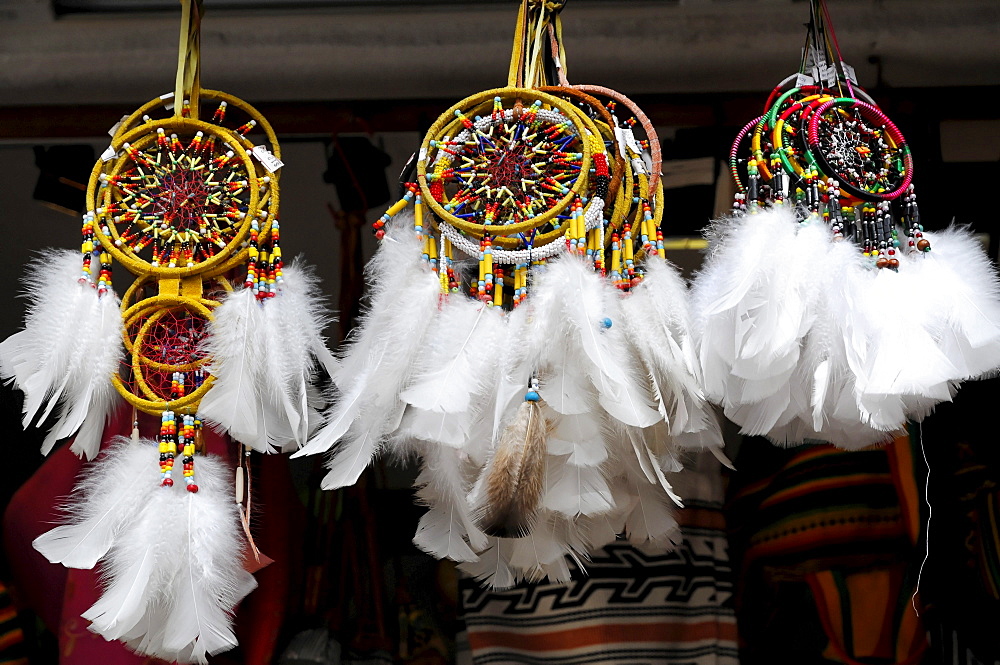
[
  {"x": 215, "y": 331},
  {"x": 525, "y": 337}
]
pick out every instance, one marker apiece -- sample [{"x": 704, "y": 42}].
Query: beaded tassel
[
  {"x": 647, "y": 233},
  {"x": 628, "y": 270},
  {"x": 394, "y": 209},
  {"x": 168, "y": 447},
  {"x": 187, "y": 441},
  {"x": 253, "y": 255},
  {"x": 616, "y": 261},
  {"x": 914, "y": 230},
  {"x": 485, "y": 286},
  {"x": 275, "y": 274}
]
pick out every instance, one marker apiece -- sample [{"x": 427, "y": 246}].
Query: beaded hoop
[
  {"x": 560, "y": 130},
  {"x": 825, "y": 144},
  {"x": 852, "y": 146}
]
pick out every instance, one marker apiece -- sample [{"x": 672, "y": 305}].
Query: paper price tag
[
  {"x": 803, "y": 80},
  {"x": 631, "y": 142},
  {"x": 108, "y": 154},
  {"x": 828, "y": 74},
  {"x": 638, "y": 166},
  {"x": 849, "y": 72},
  {"x": 620, "y": 140},
  {"x": 168, "y": 101},
  {"x": 268, "y": 160},
  {"x": 114, "y": 130}
]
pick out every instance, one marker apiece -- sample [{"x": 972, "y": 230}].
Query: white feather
[
  {"x": 659, "y": 329},
  {"x": 958, "y": 288},
  {"x": 573, "y": 490},
  {"x": 449, "y": 374},
  {"x": 37, "y": 358},
  {"x": 651, "y": 518},
  {"x": 67, "y": 353},
  {"x": 105, "y": 501},
  {"x": 233, "y": 345},
  {"x": 211, "y": 580},
  {"x": 564, "y": 383},
  {"x": 583, "y": 303},
  {"x": 580, "y": 438},
  {"x": 379, "y": 360},
  {"x": 293, "y": 343},
  {"x": 447, "y": 530},
  {"x": 175, "y": 575},
  {"x": 493, "y": 567},
  {"x": 754, "y": 304}
]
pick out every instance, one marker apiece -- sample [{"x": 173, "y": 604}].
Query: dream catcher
[
  {"x": 214, "y": 331},
  {"x": 524, "y": 336},
  {"x": 823, "y": 312}
]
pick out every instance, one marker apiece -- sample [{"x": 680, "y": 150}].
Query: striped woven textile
[
  {"x": 12, "y": 647},
  {"x": 824, "y": 542},
  {"x": 633, "y": 606}
]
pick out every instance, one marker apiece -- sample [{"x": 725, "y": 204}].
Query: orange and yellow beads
[
  {"x": 89, "y": 249},
  {"x": 168, "y": 447},
  {"x": 170, "y": 440}
]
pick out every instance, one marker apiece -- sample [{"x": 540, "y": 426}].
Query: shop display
[
  {"x": 826, "y": 311},
  {"x": 525, "y": 336},
  {"x": 215, "y": 331}
]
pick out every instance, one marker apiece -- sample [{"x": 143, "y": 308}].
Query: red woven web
[
  {"x": 182, "y": 199},
  {"x": 173, "y": 340},
  {"x": 509, "y": 169}
]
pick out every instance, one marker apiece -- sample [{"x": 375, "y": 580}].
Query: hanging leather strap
[
  {"x": 515, "y": 74},
  {"x": 188, "y": 83}
]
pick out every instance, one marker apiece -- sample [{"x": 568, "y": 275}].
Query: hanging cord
[
  {"x": 188, "y": 83},
  {"x": 558, "y": 51},
  {"x": 527, "y": 62},
  {"x": 832, "y": 35},
  {"x": 515, "y": 74},
  {"x": 930, "y": 512}
]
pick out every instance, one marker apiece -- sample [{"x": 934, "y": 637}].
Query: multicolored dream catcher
[
  {"x": 524, "y": 336},
  {"x": 823, "y": 313},
  {"x": 214, "y": 330}
]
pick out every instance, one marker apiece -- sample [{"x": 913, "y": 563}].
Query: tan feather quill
[{"x": 513, "y": 481}]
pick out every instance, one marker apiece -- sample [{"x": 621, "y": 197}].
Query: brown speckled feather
[{"x": 514, "y": 480}]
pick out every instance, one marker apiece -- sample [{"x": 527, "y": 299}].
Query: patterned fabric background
[{"x": 634, "y": 606}]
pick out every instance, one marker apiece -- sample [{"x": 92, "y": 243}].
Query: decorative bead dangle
[
  {"x": 488, "y": 347},
  {"x": 214, "y": 327},
  {"x": 168, "y": 447},
  {"x": 829, "y": 346},
  {"x": 187, "y": 444}
]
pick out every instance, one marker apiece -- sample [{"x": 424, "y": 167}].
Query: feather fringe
[
  {"x": 377, "y": 362},
  {"x": 174, "y": 574},
  {"x": 66, "y": 354},
  {"x": 172, "y": 559},
  {"x": 264, "y": 357}
]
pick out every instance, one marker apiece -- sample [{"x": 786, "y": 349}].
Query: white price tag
[
  {"x": 638, "y": 166},
  {"x": 270, "y": 162},
  {"x": 829, "y": 74},
  {"x": 849, "y": 72},
  {"x": 168, "y": 101},
  {"x": 631, "y": 142},
  {"x": 114, "y": 130},
  {"x": 620, "y": 140},
  {"x": 108, "y": 154},
  {"x": 803, "y": 80},
  {"x": 422, "y": 157}
]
